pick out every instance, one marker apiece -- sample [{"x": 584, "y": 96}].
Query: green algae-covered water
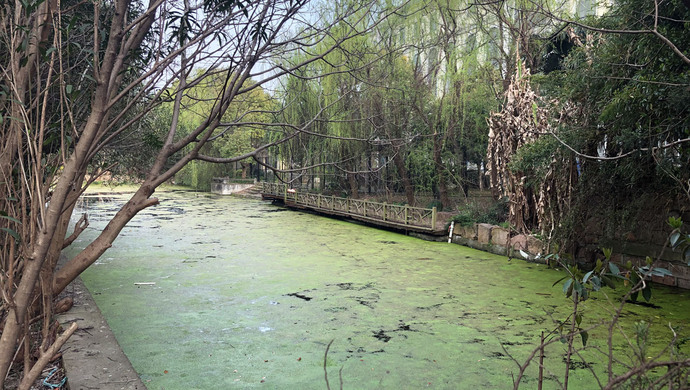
[{"x": 248, "y": 295}]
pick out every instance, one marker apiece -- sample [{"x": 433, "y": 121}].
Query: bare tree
[{"x": 63, "y": 110}]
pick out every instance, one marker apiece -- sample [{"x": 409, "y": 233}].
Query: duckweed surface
[{"x": 248, "y": 295}]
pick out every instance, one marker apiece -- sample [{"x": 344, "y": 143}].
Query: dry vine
[
  {"x": 518, "y": 124},
  {"x": 521, "y": 122}
]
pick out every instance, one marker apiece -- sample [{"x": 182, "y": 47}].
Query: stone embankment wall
[
  {"x": 635, "y": 231},
  {"x": 495, "y": 239},
  {"x": 498, "y": 240}
]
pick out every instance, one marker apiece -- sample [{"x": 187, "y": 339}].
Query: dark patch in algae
[
  {"x": 644, "y": 304},
  {"x": 300, "y": 296},
  {"x": 578, "y": 365},
  {"x": 366, "y": 303},
  {"x": 497, "y": 355},
  {"x": 381, "y": 335}
]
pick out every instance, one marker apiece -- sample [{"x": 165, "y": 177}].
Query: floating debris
[{"x": 300, "y": 296}]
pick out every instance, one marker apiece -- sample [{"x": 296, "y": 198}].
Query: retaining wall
[{"x": 495, "y": 239}]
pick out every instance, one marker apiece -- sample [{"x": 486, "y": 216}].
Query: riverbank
[{"x": 92, "y": 357}]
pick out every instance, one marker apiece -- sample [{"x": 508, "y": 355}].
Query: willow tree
[
  {"x": 389, "y": 97},
  {"x": 254, "y": 108},
  {"x": 59, "y": 118},
  {"x": 342, "y": 90},
  {"x": 415, "y": 87},
  {"x": 450, "y": 93},
  {"x": 308, "y": 153},
  {"x": 341, "y": 139}
]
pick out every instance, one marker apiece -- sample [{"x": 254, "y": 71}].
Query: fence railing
[{"x": 391, "y": 214}]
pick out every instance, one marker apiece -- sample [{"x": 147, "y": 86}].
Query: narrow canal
[{"x": 248, "y": 295}]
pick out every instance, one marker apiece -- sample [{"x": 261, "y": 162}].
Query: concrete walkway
[{"x": 92, "y": 357}]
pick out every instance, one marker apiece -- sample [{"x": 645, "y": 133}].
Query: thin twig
[{"x": 325, "y": 372}]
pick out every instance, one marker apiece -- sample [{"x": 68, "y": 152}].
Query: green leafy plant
[
  {"x": 435, "y": 203},
  {"x": 463, "y": 219},
  {"x": 579, "y": 285},
  {"x": 494, "y": 214},
  {"x": 9, "y": 231},
  {"x": 679, "y": 241}
]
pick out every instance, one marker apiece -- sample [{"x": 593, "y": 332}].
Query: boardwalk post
[
  {"x": 318, "y": 201},
  {"x": 406, "y": 214},
  {"x": 285, "y": 198},
  {"x": 433, "y": 218},
  {"x": 332, "y": 202},
  {"x": 365, "y": 208},
  {"x": 384, "y": 211}
]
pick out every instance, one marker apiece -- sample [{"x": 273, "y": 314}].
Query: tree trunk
[
  {"x": 139, "y": 201},
  {"x": 368, "y": 178},
  {"x": 440, "y": 173},
  {"x": 480, "y": 175},
  {"x": 17, "y": 315},
  {"x": 464, "y": 180},
  {"x": 323, "y": 176},
  {"x": 354, "y": 186},
  {"x": 245, "y": 169},
  {"x": 399, "y": 162}
]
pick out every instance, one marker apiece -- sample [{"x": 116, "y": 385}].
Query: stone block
[
  {"x": 616, "y": 258},
  {"x": 667, "y": 280},
  {"x": 468, "y": 232},
  {"x": 484, "y": 233},
  {"x": 662, "y": 264},
  {"x": 500, "y": 236},
  {"x": 500, "y": 250},
  {"x": 630, "y": 237},
  {"x": 680, "y": 270},
  {"x": 644, "y": 236},
  {"x": 683, "y": 283},
  {"x": 519, "y": 242},
  {"x": 534, "y": 245}
]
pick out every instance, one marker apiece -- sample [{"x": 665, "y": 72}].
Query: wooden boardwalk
[{"x": 406, "y": 218}]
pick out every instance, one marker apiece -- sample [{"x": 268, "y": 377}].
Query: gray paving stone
[{"x": 92, "y": 357}]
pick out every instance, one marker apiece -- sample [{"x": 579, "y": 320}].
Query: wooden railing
[{"x": 389, "y": 214}]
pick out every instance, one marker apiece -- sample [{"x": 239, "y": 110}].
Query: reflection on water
[{"x": 247, "y": 297}]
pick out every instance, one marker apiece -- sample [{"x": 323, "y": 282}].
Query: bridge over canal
[{"x": 399, "y": 217}]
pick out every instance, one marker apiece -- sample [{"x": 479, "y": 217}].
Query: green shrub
[
  {"x": 495, "y": 214},
  {"x": 463, "y": 219},
  {"x": 435, "y": 203}
]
